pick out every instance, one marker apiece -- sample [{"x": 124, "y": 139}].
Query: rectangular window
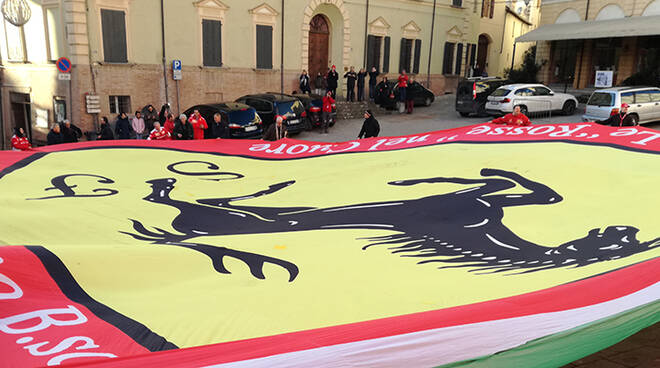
[
  {"x": 15, "y": 42},
  {"x": 264, "y": 47},
  {"x": 374, "y": 51},
  {"x": 119, "y": 104},
  {"x": 447, "y": 61},
  {"x": 457, "y": 3},
  {"x": 487, "y": 7},
  {"x": 386, "y": 55},
  {"x": 459, "y": 59},
  {"x": 418, "y": 52},
  {"x": 54, "y": 33},
  {"x": 405, "y": 55},
  {"x": 473, "y": 54},
  {"x": 212, "y": 42},
  {"x": 113, "y": 25}
]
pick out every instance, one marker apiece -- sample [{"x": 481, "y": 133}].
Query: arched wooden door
[{"x": 319, "y": 39}]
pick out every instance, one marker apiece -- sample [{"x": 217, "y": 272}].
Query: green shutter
[
  {"x": 386, "y": 55},
  {"x": 418, "y": 51},
  {"x": 212, "y": 42},
  {"x": 113, "y": 26},
  {"x": 264, "y": 47}
]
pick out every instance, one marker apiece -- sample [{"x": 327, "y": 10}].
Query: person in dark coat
[
  {"x": 319, "y": 84},
  {"x": 276, "y": 131},
  {"x": 183, "y": 130},
  {"x": 373, "y": 75},
  {"x": 162, "y": 115},
  {"x": 219, "y": 127},
  {"x": 106, "y": 131},
  {"x": 370, "y": 127},
  {"x": 620, "y": 119},
  {"x": 55, "y": 136},
  {"x": 304, "y": 83},
  {"x": 351, "y": 77},
  {"x": 123, "y": 127},
  {"x": 149, "y": 115},
  {"x": 70, "y": 133},
  {"x": 360, "y": 84},
  {"x": 331, "y": 79}
]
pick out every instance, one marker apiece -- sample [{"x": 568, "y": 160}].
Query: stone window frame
[
  {"x": 455, "y": 36},
  {"x": 410, "y": 31},
  {"x": 51, "y": 4},
  {"x": 381, "y": 28},
  {"x": 21, "y": 35},
  {"x": 211, "y": 10},
  {"x": 263, "y": 15},
  {"x": 120, "y": 5}
]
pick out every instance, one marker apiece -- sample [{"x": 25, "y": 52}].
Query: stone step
[{"x": 355, "y": 110}]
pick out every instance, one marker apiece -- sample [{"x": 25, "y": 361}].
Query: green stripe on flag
[{"x": 565, "y": 347}]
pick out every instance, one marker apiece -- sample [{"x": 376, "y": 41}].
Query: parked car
[
  {"x": 270, "y": 105},
  {"x": 531, "y": 98},
  {"x": 644, "y": 103},
  {"x": 313, "y": 108},
  {"x": 388, "y": 96},
  {"x": 242, "y": 120},
  {"x": 472, "y": 94}
]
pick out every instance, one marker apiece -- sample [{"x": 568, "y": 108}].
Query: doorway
[
  {"x": 319, "y": 45},
  {"x": 20, "y": 112},
  {"x": 482, "y": 54}
]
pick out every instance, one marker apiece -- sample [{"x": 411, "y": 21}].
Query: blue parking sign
[
  {"x": 177, "y": 74},
  {"x": 176, "y": 64}
]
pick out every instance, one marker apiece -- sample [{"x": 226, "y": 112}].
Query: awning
[{"x": 624, "y": 27}]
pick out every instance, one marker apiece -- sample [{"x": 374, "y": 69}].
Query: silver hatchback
[{"x": 644, "y": 103}]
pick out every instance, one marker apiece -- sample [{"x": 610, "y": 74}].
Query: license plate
[
  {"x": 251, "y": 128},
  {"x": 292, "y": 122},
  {"x": 493, "y": 103},
  {"x": 460, "y": 102}
]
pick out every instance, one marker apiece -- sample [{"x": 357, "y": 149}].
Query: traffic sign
[
  {"x": 177, "y": 74},
  {"x": 64, "y": 76},
  {"x": 63, "y": 65},
  {"x": 93, "y": 104}
]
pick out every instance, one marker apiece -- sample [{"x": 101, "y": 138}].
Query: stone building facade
[{"x": 123, "y": 50}]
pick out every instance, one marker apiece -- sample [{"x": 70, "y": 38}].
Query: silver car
[
  {"x": 644, "y": 103},
  {"x": 530, "y": 98}
]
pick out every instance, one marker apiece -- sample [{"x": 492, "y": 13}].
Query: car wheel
[
  {"x": 428, "y": 101},
  {"x": 464, "y": 114},
  {"x": 523, "y": 110},
  {"x": 569, "y": 108},
  {"x": 635, "y": 119}
]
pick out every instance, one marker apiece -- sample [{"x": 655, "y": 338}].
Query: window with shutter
[
  {"x": 448, "y": 59},
  {"x": 264, "y": 47},
  {"x": 459, "y": 59},
  {"x": 386, "y": 55},
  {"x": 418, "y": 52},
  {"x": 473, "y": 53},
  {"x": 113, "y": 26},
  {"x": 212, "y": 42},
  {"x": 405, "y": 55},
  {"x": 371, "y": 40}
]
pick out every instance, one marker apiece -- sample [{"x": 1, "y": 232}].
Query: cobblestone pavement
[
  {"x": 440, "y": 115},
  {"x": 641, "y": 350}
]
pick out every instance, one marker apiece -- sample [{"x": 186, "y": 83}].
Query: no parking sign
[{"x": 64, "y": 66}]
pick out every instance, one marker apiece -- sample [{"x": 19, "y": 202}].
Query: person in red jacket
[
  {"x": 516, "y": 118},
  {"x": 159, "y": 133},
  {"x": 199, "y": 125},
  {"x": 169, "y": 123},
  {"x": 19, "y": 141},
  {"x": 403, "y": 87},
  {"x": 328, "y": 101}
]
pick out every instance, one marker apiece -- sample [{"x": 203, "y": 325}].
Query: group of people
[
  {"x": 517, "y": 118},
  {"x": 328, "y": 83}
]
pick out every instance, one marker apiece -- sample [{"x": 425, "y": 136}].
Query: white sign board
[
  {"x": 604, "y": 78},
  {"x": 41, "y": 118},
  {"x": 64, "y": 76},
  {"x": 93, "y": 104},
  {"x": 177, "y": 74}
]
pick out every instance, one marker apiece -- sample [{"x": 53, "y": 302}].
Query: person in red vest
[
  {"x": 199, "y": 125},
  {"x": 328, "y": 101},
  {"x": 158, "y": 133},
  {"x": 516, "y": 118},
  {"x": 169, "y": 123},
  {"x": 19, "y": 141}
]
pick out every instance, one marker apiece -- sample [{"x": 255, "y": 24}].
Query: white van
[{"x": 644, "y": 103}]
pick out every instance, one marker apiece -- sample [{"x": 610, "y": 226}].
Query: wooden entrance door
[
  {"x": 482, "y": 54},
  {"x": 319, "y": 39}
]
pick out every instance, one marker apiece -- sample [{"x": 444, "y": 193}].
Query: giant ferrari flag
[{"x": 485, "y": 246}]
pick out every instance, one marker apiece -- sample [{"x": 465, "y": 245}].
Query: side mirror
[{"x": 552, "y": 93}]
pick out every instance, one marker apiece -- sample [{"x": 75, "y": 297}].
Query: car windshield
[
  {"x": 500, "y": 92},
  {"x": 241, "y": 116},
  {"x": 287, "y": 108},
  {"x": 601, "y": 99}
]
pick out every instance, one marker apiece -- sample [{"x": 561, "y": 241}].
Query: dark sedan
[
  {"x": 388, "y": 95},
  {"x": 270, "y": 105},
  {"x": 242, "y": 120}
]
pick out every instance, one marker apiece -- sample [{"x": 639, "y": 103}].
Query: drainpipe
[
  {"x": 162, "y": 34},
  {"x": 91, "y": 69},
  {"x": 428, "y": 69},
  {"x": 281, "y": 53},
  {"x": 366, "y": 35},
  {"x": 586, "y": 15}
]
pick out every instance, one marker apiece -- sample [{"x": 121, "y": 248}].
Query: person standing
[
  {"x": 319, "y": 84},
  {"x": 123, "y": 127},
  {"x": 70, "y": 133},
  {"x": 199, "y": 125},
  {"x": 150, "y": 115},
  {"x": 304, "y": 83},
  {"x": 361, "y": 75},
  {"x": 328, "y": 101},
  {"x": 19, "y": 141},
  {"x": 373, "y": 75},
  {"x": 276, "y": 131},
  {"x": 138, "y": 125},
  {"x": 163, "y": 114},
  {"x": 106, "y": 131},
  {"x": 331, "y": 79},
  {"x": 183, "y": 130},
  {"x": 620, "y": 119},
  {"x": 403, "y": 87},
  {"x": 351, "y": 77},
  {"x": 158, "y": 133},
  {"x": 516, "y": 118},
  {"x": 169, "y": 123},
  {"x": 370, "y": 127},
  {"x": 54, "y": 136},
  {"x": 219, "y": 128}
]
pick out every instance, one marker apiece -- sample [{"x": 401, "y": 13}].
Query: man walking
[
  {"x": 351, "y": 77},
  {"x": 370, "y": 127}
]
